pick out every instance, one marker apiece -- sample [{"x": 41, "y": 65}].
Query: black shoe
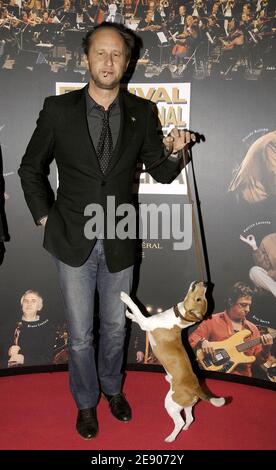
[
  {"x": 119, "y": 407},
  {"x": 87, "y": 423}
]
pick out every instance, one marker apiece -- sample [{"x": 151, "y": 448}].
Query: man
[
  {"x": 179, "y": 19},
  {"x": 222, "y": 326},
  {"x": 96, "y": 136},
  {"x": 112, "y": 16},
  {"x": 33, "y": 338}
]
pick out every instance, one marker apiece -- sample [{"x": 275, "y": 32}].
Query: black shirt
[{"x": 95, "y": 114}]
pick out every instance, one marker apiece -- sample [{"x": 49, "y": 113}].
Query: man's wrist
[
  {"x": 174, "y": 156},
  {"x": 175, "y": 153},
  {"x": 201, "y": 341}
]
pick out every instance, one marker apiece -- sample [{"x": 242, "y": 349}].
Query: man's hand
[
  {"x": 207, "y": 348},
  {"x": 14, "y": 349},
  {"x": 177, "y": 140},
  {"x": 16, "y": 359},
  {"x": 139, "y": 356},
  {"x": 250, "y": 240},
  {"x": 267, "y": 340}
]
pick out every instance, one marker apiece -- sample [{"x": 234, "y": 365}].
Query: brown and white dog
[{"x": 164, "y": 330}]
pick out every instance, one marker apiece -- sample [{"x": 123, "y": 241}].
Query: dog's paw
[
  {"x": 170, "y": 438},
  {"x": 124, "y": 297},
  {"x": 129, "y": 315},
  {"x": 218, "y": 401},
  {"x": 186, "y": 427}
]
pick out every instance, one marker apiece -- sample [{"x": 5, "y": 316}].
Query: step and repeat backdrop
[{"x": 209, "y": 66}]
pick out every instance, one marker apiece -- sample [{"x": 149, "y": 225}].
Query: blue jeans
[{"x": 78, "y": 287}]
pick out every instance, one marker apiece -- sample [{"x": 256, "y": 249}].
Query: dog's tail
[{"x": 211, "y": 399}]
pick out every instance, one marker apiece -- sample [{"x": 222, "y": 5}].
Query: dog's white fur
[{"x": 157, "y": 327}]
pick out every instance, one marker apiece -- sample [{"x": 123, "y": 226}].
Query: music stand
[
  {"x": 163, "y": 43},
  {"x": 44, "y": 49},
  {"x": 25, "y": 28},
  {"x": 71, "y": 18}
]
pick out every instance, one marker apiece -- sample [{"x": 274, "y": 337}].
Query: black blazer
[{"x": 62, "y": 134}]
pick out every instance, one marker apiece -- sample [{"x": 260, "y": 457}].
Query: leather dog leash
[{"x": 201, "y": 260}]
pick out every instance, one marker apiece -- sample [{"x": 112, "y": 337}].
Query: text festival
[{"x": 171, "y": 115}]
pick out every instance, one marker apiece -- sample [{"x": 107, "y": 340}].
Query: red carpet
[{"x": 37, "y": 412}]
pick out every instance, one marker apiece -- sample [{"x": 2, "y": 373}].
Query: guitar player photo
[{"x": 228, "y": 342}]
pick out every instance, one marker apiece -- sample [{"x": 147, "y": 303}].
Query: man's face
[
  {"x": 215, "y": 7},
  {"x": 107, "y": 59},
  {"x": 189, "y": 20},
  {"x": 231, "y": 25},
  {"x": 30, "y": 304},
  {"x": 240, "y": 309}
]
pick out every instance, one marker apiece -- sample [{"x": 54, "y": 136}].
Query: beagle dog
[{"x": 164, "y": 330}]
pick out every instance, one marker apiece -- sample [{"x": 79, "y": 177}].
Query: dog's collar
[{"x": 177, "y": 312}]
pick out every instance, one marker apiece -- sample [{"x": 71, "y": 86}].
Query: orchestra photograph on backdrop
[{"x": 189, "y": 39}]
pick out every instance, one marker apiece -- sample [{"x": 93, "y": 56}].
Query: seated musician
[
  {"x": 94, "y": 13},
  {"x": 67, "y": 6},
  {"x": 24, "y": 17},
  {"x": 67, "y": 15},
  {"x": 5, "y": 17},
  {"x": 65, "y": 9},
  {"x": 24, "y": 6},
  {"x": 148, "y": 23},
  {"x": 214, "y": 28},
  {"x": 128, "y": 8},
  {"x": 224, "y": 325},
  {"x": 35, "y": 6},
  {"x": 140, "y": 8},
  {"x": 232, "y": 47},
  {"x": 148, "y": 28},
  {"x": 186, "y": 43},
  {"x": 179, "y": 49},
  {"x": 12, "y": 8},
  {"x": 187, "y": 27},
  {"x": 246, "y": 15},
  {"x": 33, "y": 18},
  {"x": 176, "y": 24},
  {"x": 235, "y": 37},
  {"x": 113, "y": 15},
  {"x": 198, "y": 9},
  {"x": 46, "y": 19},
  {"x": 217, "y": 10},
  {"x": 156, "y": 17}
]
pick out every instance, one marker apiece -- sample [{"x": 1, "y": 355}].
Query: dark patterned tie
[{"x": 105, "y": 144}]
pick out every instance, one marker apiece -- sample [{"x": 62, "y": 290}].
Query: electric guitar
[{"x": 228, "y": 354}]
